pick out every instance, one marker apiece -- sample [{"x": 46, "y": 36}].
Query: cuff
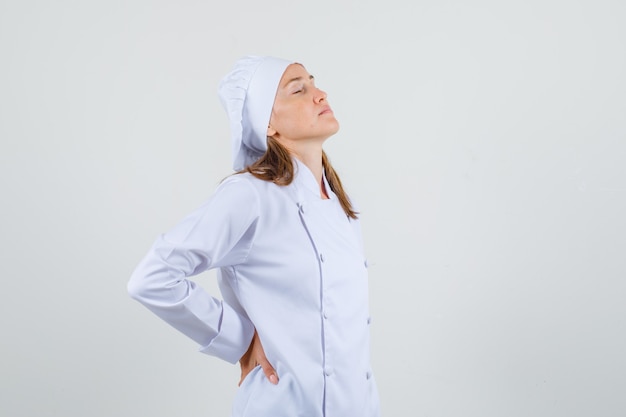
[{"x": 234, "y": 337}]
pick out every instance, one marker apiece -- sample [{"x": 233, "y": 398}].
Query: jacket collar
[{"x": 307, "y": 187}]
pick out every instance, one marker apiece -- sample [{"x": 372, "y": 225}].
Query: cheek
[{"x": 289, "y": 118}]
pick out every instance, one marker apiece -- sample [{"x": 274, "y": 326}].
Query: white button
[
  {"x": 366, "y": 263},
  {"x": 302, "y": 209},
  {"x": 325, "y": 314},
  {"x": 322, "y": 257},
  {"x": 369, "y": 320},
  {"x": 368, "y": 374},
  {"x": 328, "y": 371}
]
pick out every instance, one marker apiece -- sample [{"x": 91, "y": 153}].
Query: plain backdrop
[{"x": 484, "y": 141}]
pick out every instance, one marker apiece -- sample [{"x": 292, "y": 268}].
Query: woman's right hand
[{"x": 255, "y": 355}]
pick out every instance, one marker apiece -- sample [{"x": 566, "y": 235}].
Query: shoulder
[
  {"x": 248, "y": 190},
  {"x": 248, "y": 183},
  {"x": 236, "y": 196},
  {"x": 241, "y": 185},
  {"x": 257, "y": 194}
]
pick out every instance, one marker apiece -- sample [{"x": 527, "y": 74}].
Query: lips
[{"x": 325, "y": 110}]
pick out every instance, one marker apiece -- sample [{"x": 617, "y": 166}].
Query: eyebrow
[{"x": 298, "y": 79}]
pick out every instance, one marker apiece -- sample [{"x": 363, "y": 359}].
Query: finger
[{"x": 269, "y": 371}]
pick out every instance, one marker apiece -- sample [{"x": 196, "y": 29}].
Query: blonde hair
[{"x": 276, "y": 166}]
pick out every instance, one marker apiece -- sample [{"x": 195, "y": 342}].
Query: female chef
[{"x": 286, "y": 241}]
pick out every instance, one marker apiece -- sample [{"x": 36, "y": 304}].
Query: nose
[{"x": 320, "y": 95}]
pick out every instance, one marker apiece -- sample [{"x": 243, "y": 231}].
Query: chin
[
  {"x": 335, "y": 128},
  {"x": 330, "y": 133}
]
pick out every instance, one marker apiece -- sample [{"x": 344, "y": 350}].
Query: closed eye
[{"x": 302, "y": 87}]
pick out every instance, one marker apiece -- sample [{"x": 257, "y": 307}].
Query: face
[{"x": 301, "y": 112}]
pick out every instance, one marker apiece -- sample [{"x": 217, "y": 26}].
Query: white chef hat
[{"x": 247, "y": 93}]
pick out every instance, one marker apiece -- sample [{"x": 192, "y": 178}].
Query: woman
[{"x": 286, "y": 241}]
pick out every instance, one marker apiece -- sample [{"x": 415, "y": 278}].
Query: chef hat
[{"x": 247, "y": 93}]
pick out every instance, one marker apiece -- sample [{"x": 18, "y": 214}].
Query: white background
[{"x": 485, "y": 143}]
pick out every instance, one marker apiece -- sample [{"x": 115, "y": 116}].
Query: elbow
[
  {"x": 150, "y": 287},
  {"x": 136, "y": 288}
]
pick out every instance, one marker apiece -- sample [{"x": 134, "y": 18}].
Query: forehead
[{"x": 294, "y": 72}]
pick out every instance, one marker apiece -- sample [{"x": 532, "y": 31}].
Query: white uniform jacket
[{"x": 290, "y": 265}]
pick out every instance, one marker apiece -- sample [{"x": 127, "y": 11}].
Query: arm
[{"x": 219, "y": 233}]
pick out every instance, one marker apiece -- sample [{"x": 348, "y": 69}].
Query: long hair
[{"x": 276, "y": 166}]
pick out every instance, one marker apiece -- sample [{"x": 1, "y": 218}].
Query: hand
[{"x": 256, "y": 356}]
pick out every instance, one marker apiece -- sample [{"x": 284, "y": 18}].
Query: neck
[
  {"x": 310, "y": 154},
  {"x": 313, "y": 161}
]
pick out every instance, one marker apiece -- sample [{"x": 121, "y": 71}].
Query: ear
[{"x": 270, "y": 131}]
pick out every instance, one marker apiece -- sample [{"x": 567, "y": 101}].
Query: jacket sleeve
[{"x": 217, "y": 234}]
